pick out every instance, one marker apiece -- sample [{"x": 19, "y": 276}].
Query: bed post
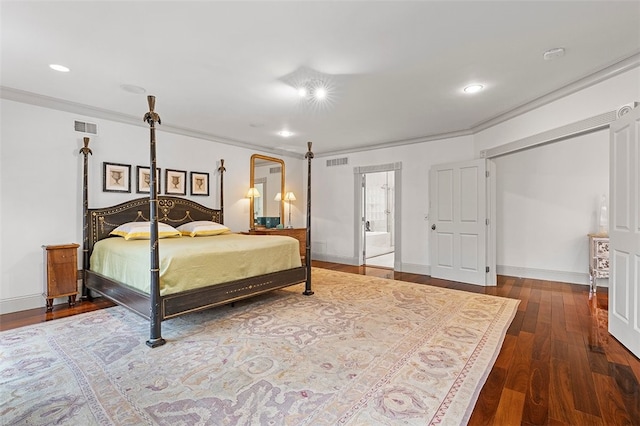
[
  {"x": 155, "y": 338},
  {"x": 86, "y": 295},
  {"x": 221, "y": 169},
  {"x": 307, "y": 257}
]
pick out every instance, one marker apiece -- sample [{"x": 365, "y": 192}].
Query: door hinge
[
  {"x": 486, "y": 222},
  {"x": 486, "y": 269},
  {"x": 486, "y": 173}
]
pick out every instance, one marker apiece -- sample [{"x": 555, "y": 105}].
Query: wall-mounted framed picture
[
  {"x": 199, "y": 183},
  {"x": 175, "y": 182},
  {"x": 144, "y": 179},
  {"x": 116, "y": 177}
]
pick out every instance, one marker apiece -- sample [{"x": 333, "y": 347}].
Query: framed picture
[
  {"x": 199, "y": 183},
  {"x": 144, "y": 179},
  {"x": 116, "y": 177},
  {"x": 175, "y": 182}
]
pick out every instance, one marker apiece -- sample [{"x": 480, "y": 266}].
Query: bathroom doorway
[{"x": 378, "y": 195}]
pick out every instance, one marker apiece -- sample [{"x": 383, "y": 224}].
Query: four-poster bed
[{"x": 158, "y": 303}]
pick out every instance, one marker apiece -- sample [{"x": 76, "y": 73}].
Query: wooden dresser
[{"x": 299, "y": 234}]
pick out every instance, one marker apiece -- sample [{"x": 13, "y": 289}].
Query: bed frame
[{"x": 98, "y": 223}]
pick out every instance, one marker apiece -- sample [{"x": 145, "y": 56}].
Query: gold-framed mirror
[{"x": 266, "y": 182}]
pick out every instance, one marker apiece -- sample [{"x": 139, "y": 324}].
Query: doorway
[{"x": 378, "y": 194}]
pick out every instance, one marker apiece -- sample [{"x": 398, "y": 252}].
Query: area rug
[{"x": 360, "y": 351}]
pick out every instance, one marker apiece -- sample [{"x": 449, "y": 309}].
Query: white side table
[{"x": 598, "y": 259}]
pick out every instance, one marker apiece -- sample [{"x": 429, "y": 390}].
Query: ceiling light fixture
[
  {"x": 58, "y": 67},
  {"x": 313, "y": 90},
  {"x": 473, "y": 88},
  {"x": 285, "y": 133},
  {"x": 556, "y": 52}
]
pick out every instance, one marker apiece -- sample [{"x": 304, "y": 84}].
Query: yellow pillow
[
  {"x": 201, "y": 228},
  {"x": 142, "y": 231}
]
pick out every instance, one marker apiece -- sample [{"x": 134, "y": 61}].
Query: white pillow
[
  {"x": 142, "y": 231},
  {"x": 202, "y": 228}
]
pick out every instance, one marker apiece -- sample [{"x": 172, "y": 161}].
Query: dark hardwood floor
[{"x": 558, "y": 364}]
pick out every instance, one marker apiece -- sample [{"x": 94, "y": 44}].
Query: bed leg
[
  {"x": 86, "y": 293},
  {"x": 154, "y": 343},
  {"x": 307, "y": 285}
]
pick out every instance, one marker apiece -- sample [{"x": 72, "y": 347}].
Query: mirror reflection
[{"x": 266, "y": 186}]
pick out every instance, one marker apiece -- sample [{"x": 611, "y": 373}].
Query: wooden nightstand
[
  {"x": 61, "y": 273},
  {"x": 299, "y": 234}
]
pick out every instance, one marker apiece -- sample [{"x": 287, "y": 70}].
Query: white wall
[
  {"x": 333, "y": 198},
  {"x": 41, "y": 185},
  {"x": 547, "y": 197},
  {"x": 547, "y": 200}
]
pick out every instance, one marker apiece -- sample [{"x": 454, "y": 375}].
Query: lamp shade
[
  {"x": 253, "y": 193},
  {"x": 278, "y": 197},
  {"x": 289, "y": 196}
]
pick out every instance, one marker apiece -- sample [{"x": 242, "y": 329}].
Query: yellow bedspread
[{"x": 188, "y": 263}]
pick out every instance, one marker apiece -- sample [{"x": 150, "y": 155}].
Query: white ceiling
[{"x": 396, "y": 68}]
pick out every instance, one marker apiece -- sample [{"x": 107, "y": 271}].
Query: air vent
[
  {"x": 83, "y": 127},
  {"x": 274, "y": 170},
  {"x": 338, "y": 162}
]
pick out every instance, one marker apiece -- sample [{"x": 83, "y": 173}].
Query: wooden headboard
[{"x": 173, "y": 211}]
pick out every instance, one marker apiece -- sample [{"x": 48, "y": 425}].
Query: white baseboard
[
  {"x": 23, "y": 303},
  {"x": 323, "y": 257},
  {"x": 548, "y": 275},
  {"x": 512, "y": 271},
  {"x": 413, "y": 268}
]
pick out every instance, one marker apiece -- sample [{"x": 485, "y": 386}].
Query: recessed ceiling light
[
  {"x": 302, "y": 92},
  {"x": 473, "y": 88},
  {"x": 556, "y": 52},
  {"x": 285, "y": 133},
  {"x": 133, "y": 89},
  {"x": 60, "y": 68}
]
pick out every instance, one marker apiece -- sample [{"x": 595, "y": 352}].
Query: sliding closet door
[{"x": 624, "y": 230}]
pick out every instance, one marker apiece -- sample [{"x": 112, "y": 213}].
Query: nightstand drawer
[
  {"x": 601, "y": 248},
  {"x": 598, "y": 259}
]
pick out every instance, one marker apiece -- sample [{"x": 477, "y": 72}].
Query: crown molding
[
  {"x": 35, "y": 99},
  {"x": 401, "y": 142},
  {"x": 603, "y": 74},
  {"x": 619, "y": 67},
  {"x": 606, "y": 73}
]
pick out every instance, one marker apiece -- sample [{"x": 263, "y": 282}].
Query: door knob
[{"x": 433, "y": 226}]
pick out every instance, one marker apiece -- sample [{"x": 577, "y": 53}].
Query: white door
[
  {"x": 624, "y": 231},
  {"x": 459, "y": 225}
]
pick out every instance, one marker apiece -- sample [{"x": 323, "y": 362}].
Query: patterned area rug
[{"x": 361, "y": 351}]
